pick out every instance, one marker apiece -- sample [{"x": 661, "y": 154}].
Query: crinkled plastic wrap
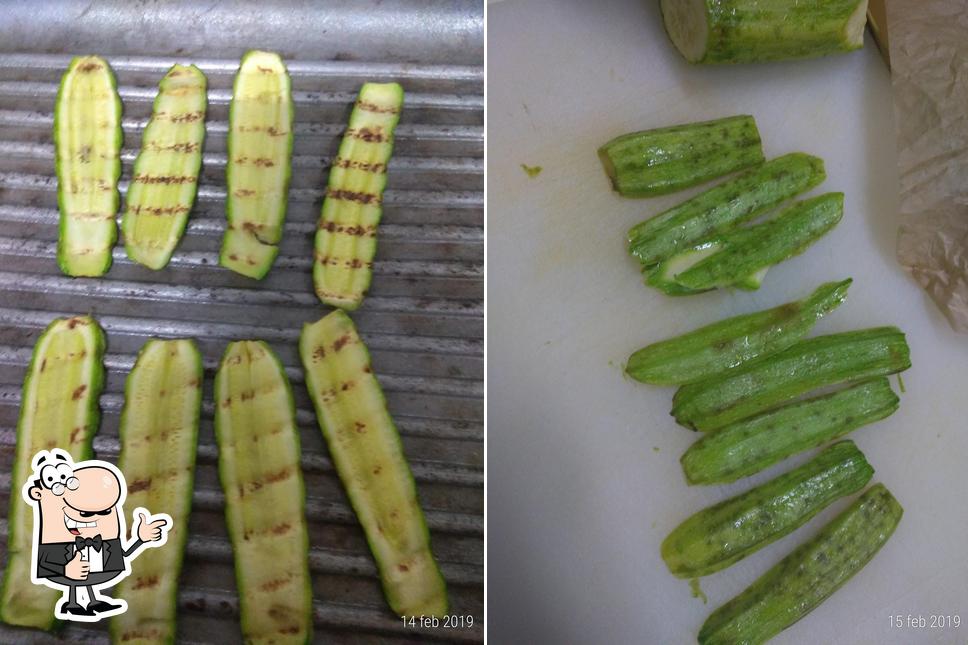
[{"x": 929, "y": 61}]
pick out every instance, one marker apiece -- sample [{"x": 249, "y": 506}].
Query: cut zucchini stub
[
  {"x": 664, "y": 160},
  {"x": 165, "y": 178},
  {"x": 744, "y": 31},
  {"x": 87, "y": 139},
  {"x": 259, "y": 163},
  {"x": 346, "y": 236},
  {"x": 58, "y": 409},
  {"x": 158, "y": 431},
  {"x": 259, "y": 466},
  {"x": 366, "y": 450}
]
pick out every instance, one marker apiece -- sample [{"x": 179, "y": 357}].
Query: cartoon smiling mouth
[{"x": 73, "y": 525}]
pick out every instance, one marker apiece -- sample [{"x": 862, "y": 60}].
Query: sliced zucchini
[
  {"x": 744, "y": 31},
  {"x": 58, "y": 409},
  {"x": 721, "y": 535},
  {"x": 346, "y": 236},
  {"x": 747, "y": 252},
  {"x": 87, "y": 139},
  {"x": 726, "y": 344},
  {"x": 260, "y": 470},
  {"x": 751, "y": 445},
  {"x": 165, "y": 177},
  {"x": 808, "y": 576},
  {"x": 769, "y": 381},
  {"x": 259, "y": 164},
  {"x": 158, "y": 432},
  {"x": 366, "y": 450},
  {"x": 723, "y": 207},
  {"x": 664, "y": 160}
]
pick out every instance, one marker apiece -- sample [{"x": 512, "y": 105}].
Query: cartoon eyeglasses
[{"x": 58, "y": 477}]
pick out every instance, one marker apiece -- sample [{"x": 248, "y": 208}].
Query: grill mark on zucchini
[
  {"x": 260, "y": 155},
  {"x": 769, "y": 381},
  {"x": 365, "y": 448},
  {"x": 352, "y": 207},
  {"x": 159, "y": 432},
  {"x": 67, "y": 356},
  {"x": 721, "y": 535}
]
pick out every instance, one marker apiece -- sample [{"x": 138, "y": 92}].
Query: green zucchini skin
[
  {"x": 259, "y": 164},
  {"x": 751, "y": 445},
  {"x": 159, "y": 434},
  {"x": 165, "y": 177},
  {"x": 723, "y": 207},
  {"x": 87, "y": 141},
  {"x": 59, "y": 409},
  {"x": 746, "y": 251},
  {"x": 265, "y": 499},
  {"x": 664, "y": 160},
  {"x": 726, "y": 344},
  {"x": 747, "y": 31},
  {"x": 809, "y": 575},
  {"x": 366, "y": 450},
  {"x": 345, "y": 243},
  {"x": 769, "y": 381},
  {"x": 718, "y": 536}
]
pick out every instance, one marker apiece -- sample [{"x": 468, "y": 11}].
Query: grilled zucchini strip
[
  {"x": 259, "y": 467},
  {"x": 158, "y": 432},
  {"x": 58, "y": 409},
  {"x": 366, "y": 450},
  {"x": 751, "y": 445},
  {"x": 165, "y": 180},
  {"x": 723, "y": 207},
  {"x": 346, "y": 236},
  {"x": 718, "y": 536},
  {"x": 259, "y": 164},
  {"x": 664, "y": 160},
  {"x": 808, "y": 576},
  {"x": 769, "y": 381},
  {"x": 87, "y": 140},
  {"x": 726, "y": 344}
]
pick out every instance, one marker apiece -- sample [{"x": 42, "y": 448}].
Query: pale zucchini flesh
[
  {"x": 259, "y": 164},
  {"x": 158, "y": 432},
  {"x": 261, "y": 474},
  {"x": 87, "y": 142},
  {"x": 346, "y": 236},
  {"x": 365, "y": 448},
  {"x": 809, "y": 575},
  {"x": 664, "y": 160},
  {"x": 165, "y": 178},
  {"x": 58, "y": 409},
  {"x": 743, "y": 31}
]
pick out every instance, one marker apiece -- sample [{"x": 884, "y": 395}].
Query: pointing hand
[{"x": 151, "y": 531}]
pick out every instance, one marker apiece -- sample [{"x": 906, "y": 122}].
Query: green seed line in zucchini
[
  {"x": 346, "y": 236},
  {"x": 723, "y": 345},
  {"x": 158, "y": 432},
  {"x": 261, "y": 474},
  {"x": 87, "y": 140},
  {"x": 366, "y": 450},
  {"x": 165, "y": 178},
  {"x": 718, "y": 536},
  {"x": 747, "y": 251},
  {"x": 769, "y": 381},
  {"x": 664, "y": 160},
  {"x": 724, "y": 207},
  {"x": 809, "y": 575},
  {"x": 751, "y": 445},
  {"x": 58, "y": 409},
  {"x": 259, "y": 163},
  {"x": 746, "y": 31}
]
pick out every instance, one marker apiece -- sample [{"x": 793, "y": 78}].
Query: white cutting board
[{"x": 584, "y": 478}]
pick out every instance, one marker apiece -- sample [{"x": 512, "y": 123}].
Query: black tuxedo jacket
[{"x": 53, "y": 557}]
